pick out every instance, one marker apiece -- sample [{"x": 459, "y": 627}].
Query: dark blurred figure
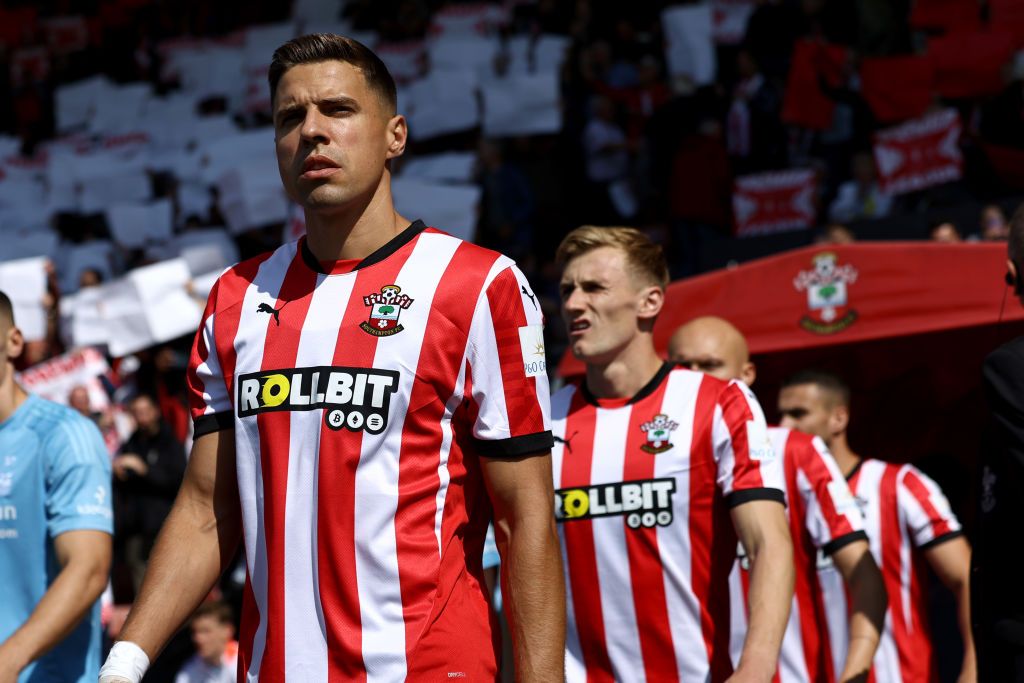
[
  {"x": 699, "y": 197},
  {"x": 998, "y": 609},
  {"x": 754, "y": 132},
  {"x": 994, "y": 227},
  {"x": 861, "y": 197},
  {"x": 147, "y": 474},
  {"x": 508, "y": 203}
]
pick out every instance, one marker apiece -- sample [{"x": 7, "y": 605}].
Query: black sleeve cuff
[
  {"x": 517, "y": 446},
  {"x": 746, "y": 495},
  {"x": 942, "y": 539},
  {"x": 214, "y": 422},
  {"x": 843, "y": 541}
]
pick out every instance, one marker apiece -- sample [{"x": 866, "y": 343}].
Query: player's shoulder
[
  {"x": 479, "y": 259},
  {"x": 60, "y": 425},
  {"x": 231, "y": 285}
]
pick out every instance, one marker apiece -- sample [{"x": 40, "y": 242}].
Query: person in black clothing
[
  {"x": 997, "y": 587},
  {"x": 147, "y": 473}
]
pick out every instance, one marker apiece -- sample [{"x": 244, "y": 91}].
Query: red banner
[
  {"x": 945, "y": 15},
  {"x": 804, "y": 103},
  {"x": 821, "y": 296},
  {"x": 919, "y": 153},
  {"x": 970, "y": 64},
  {"x": 774, "y": 202},
  {"x": 896, "y": 88}
]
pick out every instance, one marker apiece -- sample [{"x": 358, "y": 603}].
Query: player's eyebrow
[{"x": 336, "y": 100}]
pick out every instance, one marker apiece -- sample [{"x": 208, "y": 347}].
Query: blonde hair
[{"x": 644, "y": 257}]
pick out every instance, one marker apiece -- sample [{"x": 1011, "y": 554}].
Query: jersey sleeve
[
  {"x": 509, "y": 393},
  {"x": 209, "y": 401},
  {"x": 77, "y": 479},
  {"x": 748, "y": 468},
  {"x": 929, "y": 517},
  {"x": 833, "y": 517}
]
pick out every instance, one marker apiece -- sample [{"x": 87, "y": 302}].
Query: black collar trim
[
  {"x": 399, "y": 241},
  {"x": 854, "y": 471},
  {"x": 646, "y": 391}
]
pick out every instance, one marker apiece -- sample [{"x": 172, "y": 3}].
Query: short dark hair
[
  {"x": 827, "y": 381},
  {"x": 326, "y": 47},
  {"x": 220, "y": 611},
  {"x": 1015, "y": 240},
  {"x": 6, "y": 309}
]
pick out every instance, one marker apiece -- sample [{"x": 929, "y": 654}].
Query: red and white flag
[
  {"x": 919, "y": 153},
  {"x": 775, "y": 201}
]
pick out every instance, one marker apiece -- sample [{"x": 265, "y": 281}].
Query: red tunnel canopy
[
  {"x": 906, "y": 324},
  {"x": 820, "y": 296}
]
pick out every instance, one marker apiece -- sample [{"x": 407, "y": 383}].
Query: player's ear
[
  {"x": 398, "y": 135},
  {"x": 749, "y": 373},
  {"x": 14, "y": 343},
  {"x": 651, "y": 300},
  {"x": 840, "y": 419}
]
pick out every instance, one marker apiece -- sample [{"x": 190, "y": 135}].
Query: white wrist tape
[{"x": 126, "y": 661}]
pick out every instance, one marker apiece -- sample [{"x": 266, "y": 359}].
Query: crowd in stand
[{"x": 638, "y": 145}]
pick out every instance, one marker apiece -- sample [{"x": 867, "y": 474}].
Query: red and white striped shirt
[
  {"x": 904, "y": 513},
  {"x": 823, "y": 517},
  {"x": 362, "y": 396},
  {"x": 644, "y": 489}
]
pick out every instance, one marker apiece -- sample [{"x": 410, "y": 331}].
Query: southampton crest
[
  {"x": 385, "y": 307},
  {"x": 827, "y": 295},
  {"x": 658, "y": 433}
]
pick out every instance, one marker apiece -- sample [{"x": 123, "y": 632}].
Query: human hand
[{"x": 129, "y": 462}]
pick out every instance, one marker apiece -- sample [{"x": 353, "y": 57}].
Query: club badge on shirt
[
  {"x": 659, "y": 432},
  {"x": 385, "y": 307}
]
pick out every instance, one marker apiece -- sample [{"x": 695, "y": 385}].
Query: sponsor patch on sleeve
[
  {"x": 758, "y": 442},
  {"x": 531, "y": 341}
]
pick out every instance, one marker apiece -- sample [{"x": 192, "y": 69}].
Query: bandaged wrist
[{"x": 126, "y": 660}]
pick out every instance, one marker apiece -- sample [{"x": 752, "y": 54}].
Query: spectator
[
  {"x": 213, "y": 634},
  {"x": 79, "y": 400},
  {"x": 508, "y": 202},
  {"x": 860, "y": 197},
  {"x": 754, "y": 132},
  {"x": 147, "y": 473},
  {"x": 836, "y": 233},
  {"x": 944, "y": 231},
  {"x": 994, "y": 227},
  {"x": 607, "y": 156}
]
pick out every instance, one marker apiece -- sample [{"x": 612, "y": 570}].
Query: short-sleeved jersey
[
  {"x": 905, "y": 512},
  {"x": 54, "y": 478},
  {"x": 823, "y": 517},
  {"x": 643, "y": 493},
  {"x": 362, "y": 396}
]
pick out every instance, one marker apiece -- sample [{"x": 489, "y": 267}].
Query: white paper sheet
[
  {"x": 24, "y": 281},
  {"x": 524, "y": 104}
]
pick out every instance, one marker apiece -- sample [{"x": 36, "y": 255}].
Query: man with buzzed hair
[
  {"x": 996, "y": 586},
  {"x": 908, "y": 521},
  {"x": 55, "y": 530},
  {"x": 826, "y": 525}
]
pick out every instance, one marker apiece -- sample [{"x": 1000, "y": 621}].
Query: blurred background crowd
[{"x": 136, "y": 160}]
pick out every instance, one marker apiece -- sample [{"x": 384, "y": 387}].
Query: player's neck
[
  {"x": 845, "y": 458},
  {"x": 625, "y": 376},
  {"x": 357, "y": 231},
  {"x": 11, "y": 395}
]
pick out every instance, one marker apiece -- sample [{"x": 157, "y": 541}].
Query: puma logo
[
  {"x": 267, "y": 308},
  {"x": 530, "y": 295},
  {"x": 567, "y": 442}
]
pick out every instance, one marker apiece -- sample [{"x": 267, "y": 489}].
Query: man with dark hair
[
  {"x": 908, "y": 521},
  {"x": 55, "y": 530},
  {"x": 659, "y": 471},
  {"x": 364, "y": 401},
  {"x": 996, "y": 585},
  {"x": 826, "y": 525}
]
